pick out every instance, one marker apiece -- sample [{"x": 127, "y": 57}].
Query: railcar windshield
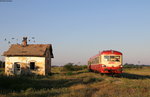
[{"x": 112, "y": 58}]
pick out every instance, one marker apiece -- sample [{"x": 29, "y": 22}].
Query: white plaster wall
[{"x": 39, "y": 61}]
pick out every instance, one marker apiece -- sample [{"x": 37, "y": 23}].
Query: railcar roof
[
  {"x": 106, "y": 52},
  {"x": 111, "y": 52}
]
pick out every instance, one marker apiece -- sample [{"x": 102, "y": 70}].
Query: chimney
[{"x": 24, "y": 41}]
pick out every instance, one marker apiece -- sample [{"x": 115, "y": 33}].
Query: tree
[{"x": 69, "y": 67}]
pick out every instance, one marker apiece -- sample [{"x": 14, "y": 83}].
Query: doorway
[{"x": 17, "y": 68}]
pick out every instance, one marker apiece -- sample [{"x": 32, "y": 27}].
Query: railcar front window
[
  {"x": 115, "y": 58},
  {"x": 112, "y": 58},
  {"x": 106, "y": 58}
]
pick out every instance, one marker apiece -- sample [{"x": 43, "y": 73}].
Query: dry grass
[{"x": 132, "y": 83}]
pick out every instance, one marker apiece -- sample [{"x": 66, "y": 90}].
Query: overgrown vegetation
[
  {"x": 73, "y": 67},
  {"x": 2, "y": 64},
  {"x": 126, "y": 65},
  {"x": 1, "y": 71},
  {"x": 80, "y": 83}
]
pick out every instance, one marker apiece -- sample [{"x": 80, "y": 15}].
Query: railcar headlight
[{"x": 121, "y": 66}]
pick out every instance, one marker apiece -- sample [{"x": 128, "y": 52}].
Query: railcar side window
[{"x": 97, "y": 60}]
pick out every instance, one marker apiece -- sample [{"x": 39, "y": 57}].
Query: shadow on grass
[
  {"x": 75, "y": 73},
  {"x": 22, "y": 83},
  {"x": 134, "y": 76}
]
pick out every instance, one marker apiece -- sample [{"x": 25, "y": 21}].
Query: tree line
[
  {"x": 74, "y": 67},
  {"x": 127, "y": 65}
]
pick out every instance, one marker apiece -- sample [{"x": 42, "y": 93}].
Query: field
[{"x": 79, "y": 83}]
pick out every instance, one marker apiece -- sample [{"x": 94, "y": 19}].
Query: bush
[
  {"x": 72, "y": 67},
  {"x": 68, "y": 67},
  {"x": 69, "y": 73},
  {"x": 1, "y": 71}
]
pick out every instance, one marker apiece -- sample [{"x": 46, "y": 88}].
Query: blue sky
[{"x": 79, "y": 29}]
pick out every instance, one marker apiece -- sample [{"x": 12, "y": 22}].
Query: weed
[{"x": 80, "y": 83}]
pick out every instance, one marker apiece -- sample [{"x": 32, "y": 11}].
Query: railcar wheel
[
  {"x": 114, "y": 75},
  {"x": 89, "y": 70},
  {"x": 119, "y": 75}
]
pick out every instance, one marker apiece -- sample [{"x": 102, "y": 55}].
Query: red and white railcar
[{"x": 109, "y": 61}]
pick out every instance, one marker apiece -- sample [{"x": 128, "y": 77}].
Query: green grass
[{"x": 81, "y": 83}]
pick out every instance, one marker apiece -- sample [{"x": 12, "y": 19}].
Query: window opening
[{"x": 32, "y": 65}]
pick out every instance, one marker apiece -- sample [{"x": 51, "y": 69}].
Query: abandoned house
[{"x": 25, "y": 59}]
